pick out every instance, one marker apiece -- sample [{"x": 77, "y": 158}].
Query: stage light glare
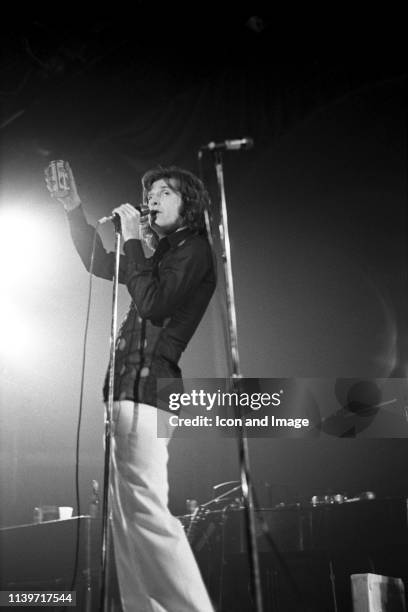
[
  {"x": 25, "y": 247},
  {"x": 18, "y": 338}
]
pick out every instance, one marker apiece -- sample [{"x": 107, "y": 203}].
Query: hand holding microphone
[
  {"x": 129, "y": 220},
  {"x": 114, "y": 217}
]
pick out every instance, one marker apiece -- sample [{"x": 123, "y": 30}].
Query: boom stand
[
  {"x": 235, "y": 384},
  {"x": 106, "y": 532}
]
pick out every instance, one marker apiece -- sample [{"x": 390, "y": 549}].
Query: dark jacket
[{"x": 170, "y": 293}]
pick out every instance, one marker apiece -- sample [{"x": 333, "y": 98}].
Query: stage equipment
[
  {"x": 372, "y": 592},
  {"x": 41, "y": 557},
  {"x": 107, "y": 550},
  {"x": 236, "y": 376},
  {"x": 322, "y": 546},
  {"x": 229, "y": 145}
]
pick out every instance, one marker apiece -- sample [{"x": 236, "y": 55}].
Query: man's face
[{"x": 165, "y": 202}]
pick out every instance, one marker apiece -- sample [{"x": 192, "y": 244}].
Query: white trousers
[{"x": 156, "y": 568}]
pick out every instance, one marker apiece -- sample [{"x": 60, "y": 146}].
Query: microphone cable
[{"x": 80, "y": 411}]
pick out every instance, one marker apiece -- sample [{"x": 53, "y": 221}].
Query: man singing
[{"x": 169, "y": 292}]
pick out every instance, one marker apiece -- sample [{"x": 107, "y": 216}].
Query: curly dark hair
[{"x": 193, "y": 194}]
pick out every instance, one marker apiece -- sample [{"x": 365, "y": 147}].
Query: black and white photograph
[{"x": 204, "y": 309}]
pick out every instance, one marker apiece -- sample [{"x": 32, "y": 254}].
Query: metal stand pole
[
  {"x": 207, "y": 216},
  {"x": 88, "y": 571},
  {"x": 235, "y": 384},
  {"x": 106, "y": 532}
]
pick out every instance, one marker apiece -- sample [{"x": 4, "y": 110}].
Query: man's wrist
[
  {"x": 132, "y": 235},
  {"x": 69, "y": 207},
  {"x": 133, "y": 250}
]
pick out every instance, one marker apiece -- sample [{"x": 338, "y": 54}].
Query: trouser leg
[{"x": 156, "y": 568}]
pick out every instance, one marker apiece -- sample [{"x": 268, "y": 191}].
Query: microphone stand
[
  {"x": 207, "y": 215},
  {"x": 235, "y": 385},
  {"x": 106, "y": 531}
]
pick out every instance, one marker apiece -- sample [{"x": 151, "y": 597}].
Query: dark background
[{"x": 317, "y": 213}]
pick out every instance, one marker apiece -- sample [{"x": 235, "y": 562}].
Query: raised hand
[{"x": 71, "y": 200}]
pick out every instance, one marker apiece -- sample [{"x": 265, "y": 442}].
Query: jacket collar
[
  {"x": 178, "y": 236},
  {"x": 170, "y": 241}
]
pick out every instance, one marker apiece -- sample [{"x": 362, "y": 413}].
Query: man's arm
[{"x": 82, "y": 234}]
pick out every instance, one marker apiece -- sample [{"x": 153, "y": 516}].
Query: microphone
[
  {"x": 229, "y": 145},
  {"x": 115, "y": 217}
]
